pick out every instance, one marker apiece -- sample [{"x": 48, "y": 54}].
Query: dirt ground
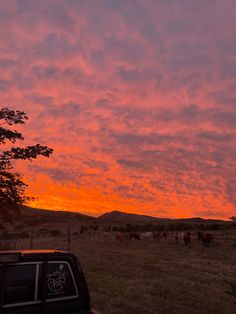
[{"x": 151, "y": 276}]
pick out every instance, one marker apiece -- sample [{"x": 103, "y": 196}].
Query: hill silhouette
[
  {"x": 122, "y": 217},
  {"x": 33, "y": 216}
]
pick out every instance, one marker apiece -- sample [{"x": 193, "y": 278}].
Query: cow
[
  {"x": 176, "y": 236},
  {"x": 105, "y": 235},
  {"x": 134, "y": 235},
  {"x": 119, "y": 236},
  {"x": 164, "y": 235},
  {"x": 207, "y": 239},
  {"x": 146, "y": 235},
  {"x": 187, "y": 239},
  {"x": 199, "y": 235}
]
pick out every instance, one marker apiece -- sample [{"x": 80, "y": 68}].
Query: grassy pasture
[{"x": 155, "y": 277}]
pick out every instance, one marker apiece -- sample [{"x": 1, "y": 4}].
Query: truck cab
[{"x": 46, "y": 281}]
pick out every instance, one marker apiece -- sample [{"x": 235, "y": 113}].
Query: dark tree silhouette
[
  {"x": 12, "y": 188},
  {"x": 233, "y": 218}
]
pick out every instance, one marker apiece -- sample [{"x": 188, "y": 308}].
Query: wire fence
[{"x": 7, "y": 245}]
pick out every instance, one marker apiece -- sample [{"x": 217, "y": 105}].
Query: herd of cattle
[{"x": 185, "y": 237}]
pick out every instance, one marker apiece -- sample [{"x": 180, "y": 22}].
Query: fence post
[
  {"x": 68, "y": 237},
  {"x": 32, "y": 239}
]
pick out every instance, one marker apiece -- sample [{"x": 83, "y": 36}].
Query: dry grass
[{"x": 156, "y": 277}]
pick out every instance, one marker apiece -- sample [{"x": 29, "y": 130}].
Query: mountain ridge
[
  {"x": 38, "y": 215},
  {"x": 118, "y": 216}
]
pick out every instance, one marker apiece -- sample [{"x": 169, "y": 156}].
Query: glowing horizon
[{"x": 137, "y": 99}]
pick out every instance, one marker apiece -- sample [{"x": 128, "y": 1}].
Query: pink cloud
[{"x": 136, "y": 98}]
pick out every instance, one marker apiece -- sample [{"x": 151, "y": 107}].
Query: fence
[{"x": 6, "y": 245}]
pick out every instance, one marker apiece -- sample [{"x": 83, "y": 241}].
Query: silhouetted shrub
[
  {"x": 21, "y": 235},
  {"x": 94, "y": 227},
  {"x": 55, "y": 233},
  {"x": 2, "y": 227},
  {"x": 19, "y": 227},
  {"x": 232, "y": 289},
  {"x": 18, "y": 235},
  {"x": 43, "y": 232},
  {"x": 83, "y": 229}
]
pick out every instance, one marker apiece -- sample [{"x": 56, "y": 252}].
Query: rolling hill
[
  {"x": 121, "y": 217},
  {"x": 35, "y": 216}
]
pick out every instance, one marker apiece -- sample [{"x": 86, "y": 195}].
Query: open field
[{"x": 155, "y": 277}]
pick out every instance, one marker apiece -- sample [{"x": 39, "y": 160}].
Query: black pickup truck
[{"x": 47, "y": 281}]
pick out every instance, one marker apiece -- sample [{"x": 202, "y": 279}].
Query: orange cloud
[{"x": 136, "y": 98}]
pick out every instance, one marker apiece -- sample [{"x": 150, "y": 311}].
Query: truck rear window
[
  {"x": 60, "y": 281},
  {"x": 24, "y": 283},
  {"x": 19, "y": 284}
]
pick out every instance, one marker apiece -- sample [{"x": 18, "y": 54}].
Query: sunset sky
[{"x": 136, "y": 97}]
